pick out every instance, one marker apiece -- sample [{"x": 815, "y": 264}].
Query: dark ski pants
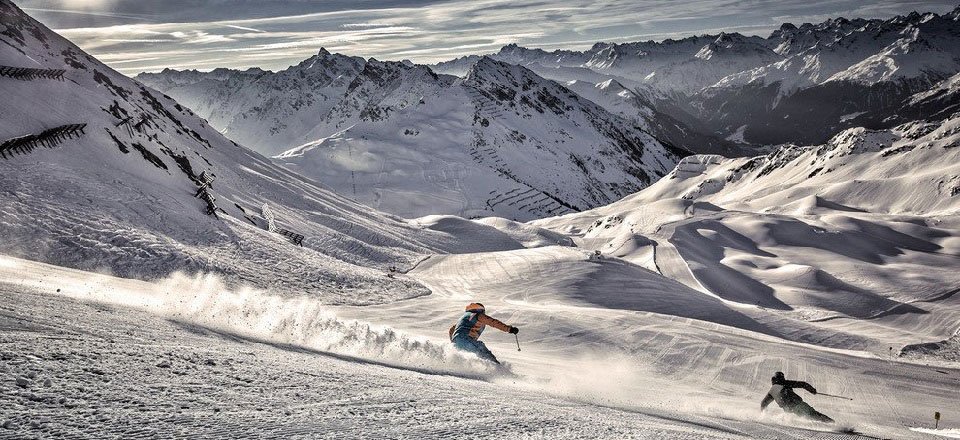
[
  {"x": 474, "y": 346},
  {"x": 803, "y": 409}
]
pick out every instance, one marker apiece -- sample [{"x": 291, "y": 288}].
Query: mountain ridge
[
  {"x": 779, "y": 81},
  {"x": 500, "y": 130}
]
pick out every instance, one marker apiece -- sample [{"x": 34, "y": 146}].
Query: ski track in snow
[
  {"x": 708, "y": 368},
  {"x": 209, "y": 361},
  {"x": 100, "y": 368},
  {"x": 948, "y": 433}
]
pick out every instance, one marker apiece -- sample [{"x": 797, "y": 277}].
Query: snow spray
[{"x": 300, "y": 321}]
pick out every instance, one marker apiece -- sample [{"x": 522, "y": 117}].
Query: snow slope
[
  {"x": 140, "y": 359},
  {"x": 223, "y": 362},
  {"x": 855, "y": 240},
  {"x": 502, "y": 141},
  {"x": 761, "y": 274}
]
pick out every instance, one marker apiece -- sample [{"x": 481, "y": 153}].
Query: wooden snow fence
[
  {"x": 49, "y": 138},
  {"x": 294, "y": 238},
  {"x": 204, "y": 182},
  {"x": 29, "y": 73},
  {"x": 211, "y": 201}
]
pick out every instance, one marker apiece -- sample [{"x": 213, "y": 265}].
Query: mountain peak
[
  {"x": 488, "y": 60},
  {"x": 380, "y": 74},
  {"x": 515, "y": 53},
  {"x": 954, "y": 14},
  {"x": 489, "y": 69},
  {"x": 325, "y": 66},
  {"x": 725, "y": 39},
  {"x": 615, "y": 87}
]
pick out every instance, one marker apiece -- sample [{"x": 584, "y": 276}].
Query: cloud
[
  {"x": 243, "y": 28},
  {"x": 199, "y": 37},
  {"x": 274, "y": 34},
  {"x": 48, "y": 12}
]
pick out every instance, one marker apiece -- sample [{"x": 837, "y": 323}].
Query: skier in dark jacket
[
  {"x": 782, "y": 393},
  {"x": 465, "y": 334}
]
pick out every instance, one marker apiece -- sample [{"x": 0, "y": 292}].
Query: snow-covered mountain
[
  {"x": 852, "y": 68},
  {"x": 720, "y": 94},
  {"x": 800, "y": 84},
  {"x": 864, "y": 226},
  {"x": 399, "y": 137},
  {"x": 501, "y": 141},
  {"x": 625, "y": 96},
  {"x": 664, "y": 69},
  {"x": 102, "y": 173},
  {"x": 266, "y": 111},
  {"x": 658, "y": 78},
  {"x": 664, "y": 121}
]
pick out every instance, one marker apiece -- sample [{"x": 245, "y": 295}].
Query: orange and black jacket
[
  {"x": 472, "y": 323},
  {"x": 782, "y": 393}
]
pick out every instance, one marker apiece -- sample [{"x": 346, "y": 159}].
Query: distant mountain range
[
  {"x": 799, "y": 85},
  {"x": 525, "y": 133}
]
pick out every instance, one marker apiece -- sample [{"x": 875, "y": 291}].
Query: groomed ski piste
[
  {"x": 129, "y": 309},
  {"x": 91, "y": 355},
  {"x": 611, "y": 348}
]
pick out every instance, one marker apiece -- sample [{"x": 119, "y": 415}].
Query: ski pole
[
  {"x": 518, "y": 341},
  {"x": 834, "y": 396}
]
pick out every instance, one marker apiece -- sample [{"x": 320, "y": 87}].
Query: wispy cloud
[
  {"x": 244, "y": 28},
  {"x": 54, "y": 11},
  {"x": 136, "y": 36}
]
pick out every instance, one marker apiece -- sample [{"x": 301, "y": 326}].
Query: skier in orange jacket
[{"x": 465, "y": 334}]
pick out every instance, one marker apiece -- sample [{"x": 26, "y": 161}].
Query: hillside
[
  {"x": 102, "y": 173},
  {"x": 851, "y": 239}
]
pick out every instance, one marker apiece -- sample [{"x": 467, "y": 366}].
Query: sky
[{"x": 133, "y": 36}]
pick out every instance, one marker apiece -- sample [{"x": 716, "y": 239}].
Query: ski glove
[
  {"x": 813, "y": 390},
  {"x": 514, "y": 330}
]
